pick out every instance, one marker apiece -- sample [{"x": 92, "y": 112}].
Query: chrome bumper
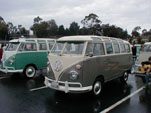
[
  {"x": 6, "y": 70},
  {"x": 66, "y": 86}
]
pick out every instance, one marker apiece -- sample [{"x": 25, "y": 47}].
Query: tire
[
  {"x": 124, "y": 78},
  {"x": 97, "y": 87},
  {"x": 143, "y": 79},
  {"x": 30, "y": 71}
]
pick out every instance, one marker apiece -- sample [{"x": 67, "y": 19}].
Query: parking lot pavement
[{"x": 16, "y": 97}]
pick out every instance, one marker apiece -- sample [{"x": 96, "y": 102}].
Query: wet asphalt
[{"x": 16, "y": 97}]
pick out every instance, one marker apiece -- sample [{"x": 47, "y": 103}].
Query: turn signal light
[
  {"x": 11, "y": 62},
  {"x": 13, "y": 57},
  {"x": 78, "y": 67}
]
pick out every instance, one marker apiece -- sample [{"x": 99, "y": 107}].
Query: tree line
[{"x": 91, "y": 25}]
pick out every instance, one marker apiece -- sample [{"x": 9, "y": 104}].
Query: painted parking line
[
  {"x": 34, "y": 89},
  {"x": 121, "y": 101},
  {"x": 2, "y": 78}
]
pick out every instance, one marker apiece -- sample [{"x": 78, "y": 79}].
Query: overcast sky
[{"x": 123, "y": 13}]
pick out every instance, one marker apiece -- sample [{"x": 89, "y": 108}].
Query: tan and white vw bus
[{"x": 84, "y": 63}]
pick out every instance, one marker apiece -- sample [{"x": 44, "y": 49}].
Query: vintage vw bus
[
  {"x": 84, "y": 63},
  {"x": 26, "y": 55},
  {"x": 145, "y": 53}
]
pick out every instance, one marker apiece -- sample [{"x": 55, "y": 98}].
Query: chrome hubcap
[
  {"x": 30, "y": 72},
  {"x": 97, "y": 88},
  {"x": 125, "y": 76}
]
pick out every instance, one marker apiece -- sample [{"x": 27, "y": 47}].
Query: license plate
[{"x": 54, "y": 84}]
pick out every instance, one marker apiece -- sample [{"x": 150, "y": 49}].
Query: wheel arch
[
  {"x": 31, "y": 65},
  {"x": 97, "y": 89},
  {"x": 100, "y": 77}
]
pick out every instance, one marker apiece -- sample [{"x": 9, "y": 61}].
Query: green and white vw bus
[{"x": 26, "y": 55}]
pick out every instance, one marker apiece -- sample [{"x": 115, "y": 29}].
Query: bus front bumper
[
  {"x": 73, "y": 87},
  {"x": 9, "y": 70}
]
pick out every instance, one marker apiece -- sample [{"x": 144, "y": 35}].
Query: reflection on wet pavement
[
  {"x": 145, "y": 99},
  {"x": 16, "y": 97},
  {"x": 86, "y": 103}
]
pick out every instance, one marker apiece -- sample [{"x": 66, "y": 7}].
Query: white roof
[
  {"x": 89, "y": 38},
  {"x": 76, "y": 38},
  {"x": 24, "y": 39},
  {"x": 147, "y": 43}
]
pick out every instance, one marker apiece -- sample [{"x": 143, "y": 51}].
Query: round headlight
[
  {"x": 73, "y": 75},
  {"x": 13, "y": 57}
]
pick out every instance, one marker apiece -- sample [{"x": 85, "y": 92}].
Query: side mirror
[
  {"x": 90, "y": 54},
  {"x": 20, "y": 50}
]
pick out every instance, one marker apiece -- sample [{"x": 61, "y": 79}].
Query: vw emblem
[{"x": 58, "y": 65}]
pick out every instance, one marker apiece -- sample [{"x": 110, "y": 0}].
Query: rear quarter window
[
  {"x": 122, "y": 46},
  {"x": 127, "y": 46},
  {"x": 116, "y": 48}
]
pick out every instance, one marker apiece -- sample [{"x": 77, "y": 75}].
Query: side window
[
  {"x": 109, "y": 48},
  {"x": 89, "y": 48},
  {"x": 127, "y": 46},
  {"x": 123, "y": 50},
  {"x": 116, "y": 48},
  {"x": 30, "y": 47},
  {"x": 98, "y": 49},
  {"x": 50, "y": 45},
  {"x": 42, "y": 46}
]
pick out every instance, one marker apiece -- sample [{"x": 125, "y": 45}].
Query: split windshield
[
  {"x": 147, "y": 48},
  {"x": 68, "y": 48},
  {"x": 12, "y": 46}
]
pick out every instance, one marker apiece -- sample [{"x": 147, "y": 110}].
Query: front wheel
[
  {"x": 30, "y": 71},
  {"x": 97, "y": 88}
]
